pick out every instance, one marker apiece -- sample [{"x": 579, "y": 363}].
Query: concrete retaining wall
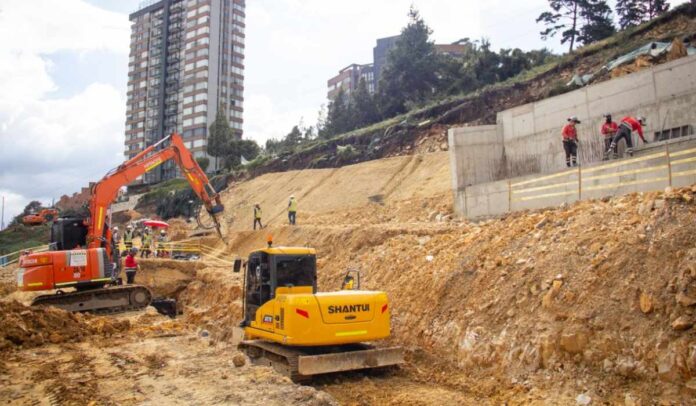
[
  {"x": 670, "y": 163},
  {"x": 527, "y": 141},
  {"x": 530, "y": 134}
]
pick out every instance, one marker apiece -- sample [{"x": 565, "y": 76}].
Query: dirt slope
[
  {"x": 325, "y": 190},
  {"x": 596, "y": 298}
]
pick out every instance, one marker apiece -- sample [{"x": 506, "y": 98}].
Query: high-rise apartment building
[{"x": 186, "y": 61}]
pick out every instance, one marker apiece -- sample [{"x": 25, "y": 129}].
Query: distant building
[
  {"x": 348, "y": 77},
  {"x": 186, "y": 61},
  {"x": 380, "y": 53}
]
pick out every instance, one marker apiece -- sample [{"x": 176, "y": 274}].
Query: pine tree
[
  {"x": 654, "y": 8},
  {"x": 219, "y": 136},
  {"x": 338, "y": 119},
  {"x": 410, "y": 74},
  {"x": 630, "y": 13},
  {"x": 564, "y": 17},
  {"x": 363, "y": 106},
  {"x": 597, "y": 18},
  {"x": 634, "y": 12}
]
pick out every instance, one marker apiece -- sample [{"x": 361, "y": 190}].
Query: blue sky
[{"x": 63, "y": 73}]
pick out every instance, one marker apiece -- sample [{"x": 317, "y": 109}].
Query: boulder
[
  {"x": 646, "y": 303},
  {"x": 574, "y": 342},
  {"x": 685, "y": 300},
  {"x": 682, "y": 323}
]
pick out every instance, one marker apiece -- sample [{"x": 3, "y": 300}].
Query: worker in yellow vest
[
  {"x": 128, "y": 238},
  {"x": 292, "y": 210},
  {"x": 146, "y": 244},
  {"x": 257, "y": 216}
]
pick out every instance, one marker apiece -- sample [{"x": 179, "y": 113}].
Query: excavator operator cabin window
[{"x": 296, "y": 271}]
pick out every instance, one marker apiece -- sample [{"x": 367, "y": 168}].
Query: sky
[{"x": 64, "y": 63}]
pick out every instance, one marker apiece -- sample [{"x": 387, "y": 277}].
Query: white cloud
[{"x": 53, "y": 146}]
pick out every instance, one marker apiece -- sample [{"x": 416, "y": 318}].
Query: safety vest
[
  {"x": 257, "y": 213},
  {"x": 128, "y": 236},
  {"x": 293, "y": 205},
  {"x": 147, "y": 239}
]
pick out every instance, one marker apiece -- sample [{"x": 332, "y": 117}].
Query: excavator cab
[
  {"x": 69, "y": 233},
  {"x": 267, "y": 270}
]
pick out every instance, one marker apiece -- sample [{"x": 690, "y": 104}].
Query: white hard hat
[
  {"x": 115, "y": 228},
  {"x": 129, "y": 226},
  {"x": 574, "y": 118},
  {"x": 642, "y": 120}
]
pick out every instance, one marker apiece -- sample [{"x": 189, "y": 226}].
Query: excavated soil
[{"x": 596, "y": 300}]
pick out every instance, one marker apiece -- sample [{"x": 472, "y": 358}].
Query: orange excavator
[
  {"x": 42, "y": 217},
  {"x": 84, "y": 257}
]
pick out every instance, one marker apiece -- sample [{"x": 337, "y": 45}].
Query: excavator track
[
  {"x": 301, "y": 363},
  {"x": 109, "y": 300}
]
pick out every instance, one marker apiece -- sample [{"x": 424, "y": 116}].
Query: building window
[{"x": 675, "y": 132}]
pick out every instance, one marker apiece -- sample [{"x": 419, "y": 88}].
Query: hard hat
[
  {"x": 133, "y": 250},
  {"x": 292, "y": 196},
  {"x": 642, "y": 120},
  {"x": 607, "y": 116},
  {"x": 115, "y": 228},
  {"x": 574, "y": 118},
  {"x": 129, "y": 226},
  {"x": 162, "y": 231}
]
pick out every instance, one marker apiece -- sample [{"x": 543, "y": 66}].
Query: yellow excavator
[{"x": 301, "y": 332}]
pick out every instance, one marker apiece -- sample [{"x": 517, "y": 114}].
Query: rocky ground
[{"x": 593, "y": 302}]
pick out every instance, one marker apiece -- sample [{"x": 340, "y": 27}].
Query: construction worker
[
  {"x": 570, "y": 141},
  {"x": 161, "y": 240},
  {"x": 626, "y": 128},
  {"x": 146, "y": 243},
  {"x": 609, "y": 129},
  {"x": 128, "y": 237},
  {"x": 292, "y": 210},
  {"x": 257, "y": 216},
  {"x": 131, "y": 266}
]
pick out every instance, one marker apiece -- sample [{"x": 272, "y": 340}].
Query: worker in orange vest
[
  {"x": 609, "y": 129},
  {"x": 570, "y": 141},
  {"x": 626, "y": 128}
]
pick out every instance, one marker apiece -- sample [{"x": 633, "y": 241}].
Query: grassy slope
[{"x": 19, "y": 237}]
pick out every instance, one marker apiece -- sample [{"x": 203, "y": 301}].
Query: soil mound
[{"x": 26, "y": 327}]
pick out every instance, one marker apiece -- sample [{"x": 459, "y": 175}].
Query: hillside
[{"x": 425, "y": 129}]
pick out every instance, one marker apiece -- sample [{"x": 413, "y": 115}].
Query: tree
[
  {"x": 630, "y": 13},
  {"x": 598, "y": 23},
  {"x": 235, "y": 150},
  {"x": 219, "y": 136},
  {"x": 363, "y": 106},
  {"x": 655, "y": 8},
  {"x": 578, "y": 21},
  {"x": 564, "y": 17},
  {"x": 634, "y": 12},
  {"x": 410, "y": 74},
  {"x": 203, "y": 162},
  {"x": 338, "y": 118},
  {"x": 294, "y": 137}
]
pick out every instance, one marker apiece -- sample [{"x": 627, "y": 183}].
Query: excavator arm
[{"x": 105, "y": 191}]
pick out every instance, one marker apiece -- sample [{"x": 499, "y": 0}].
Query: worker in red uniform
[
  {"x": 131, "y": 266},
  {"x": 627, "y": 126},
  {"x": 609, "y": 129},
  {"x": 570, "y": 141}
]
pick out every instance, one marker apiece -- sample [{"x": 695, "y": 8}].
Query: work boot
[{"x": 629, "y": 151}]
